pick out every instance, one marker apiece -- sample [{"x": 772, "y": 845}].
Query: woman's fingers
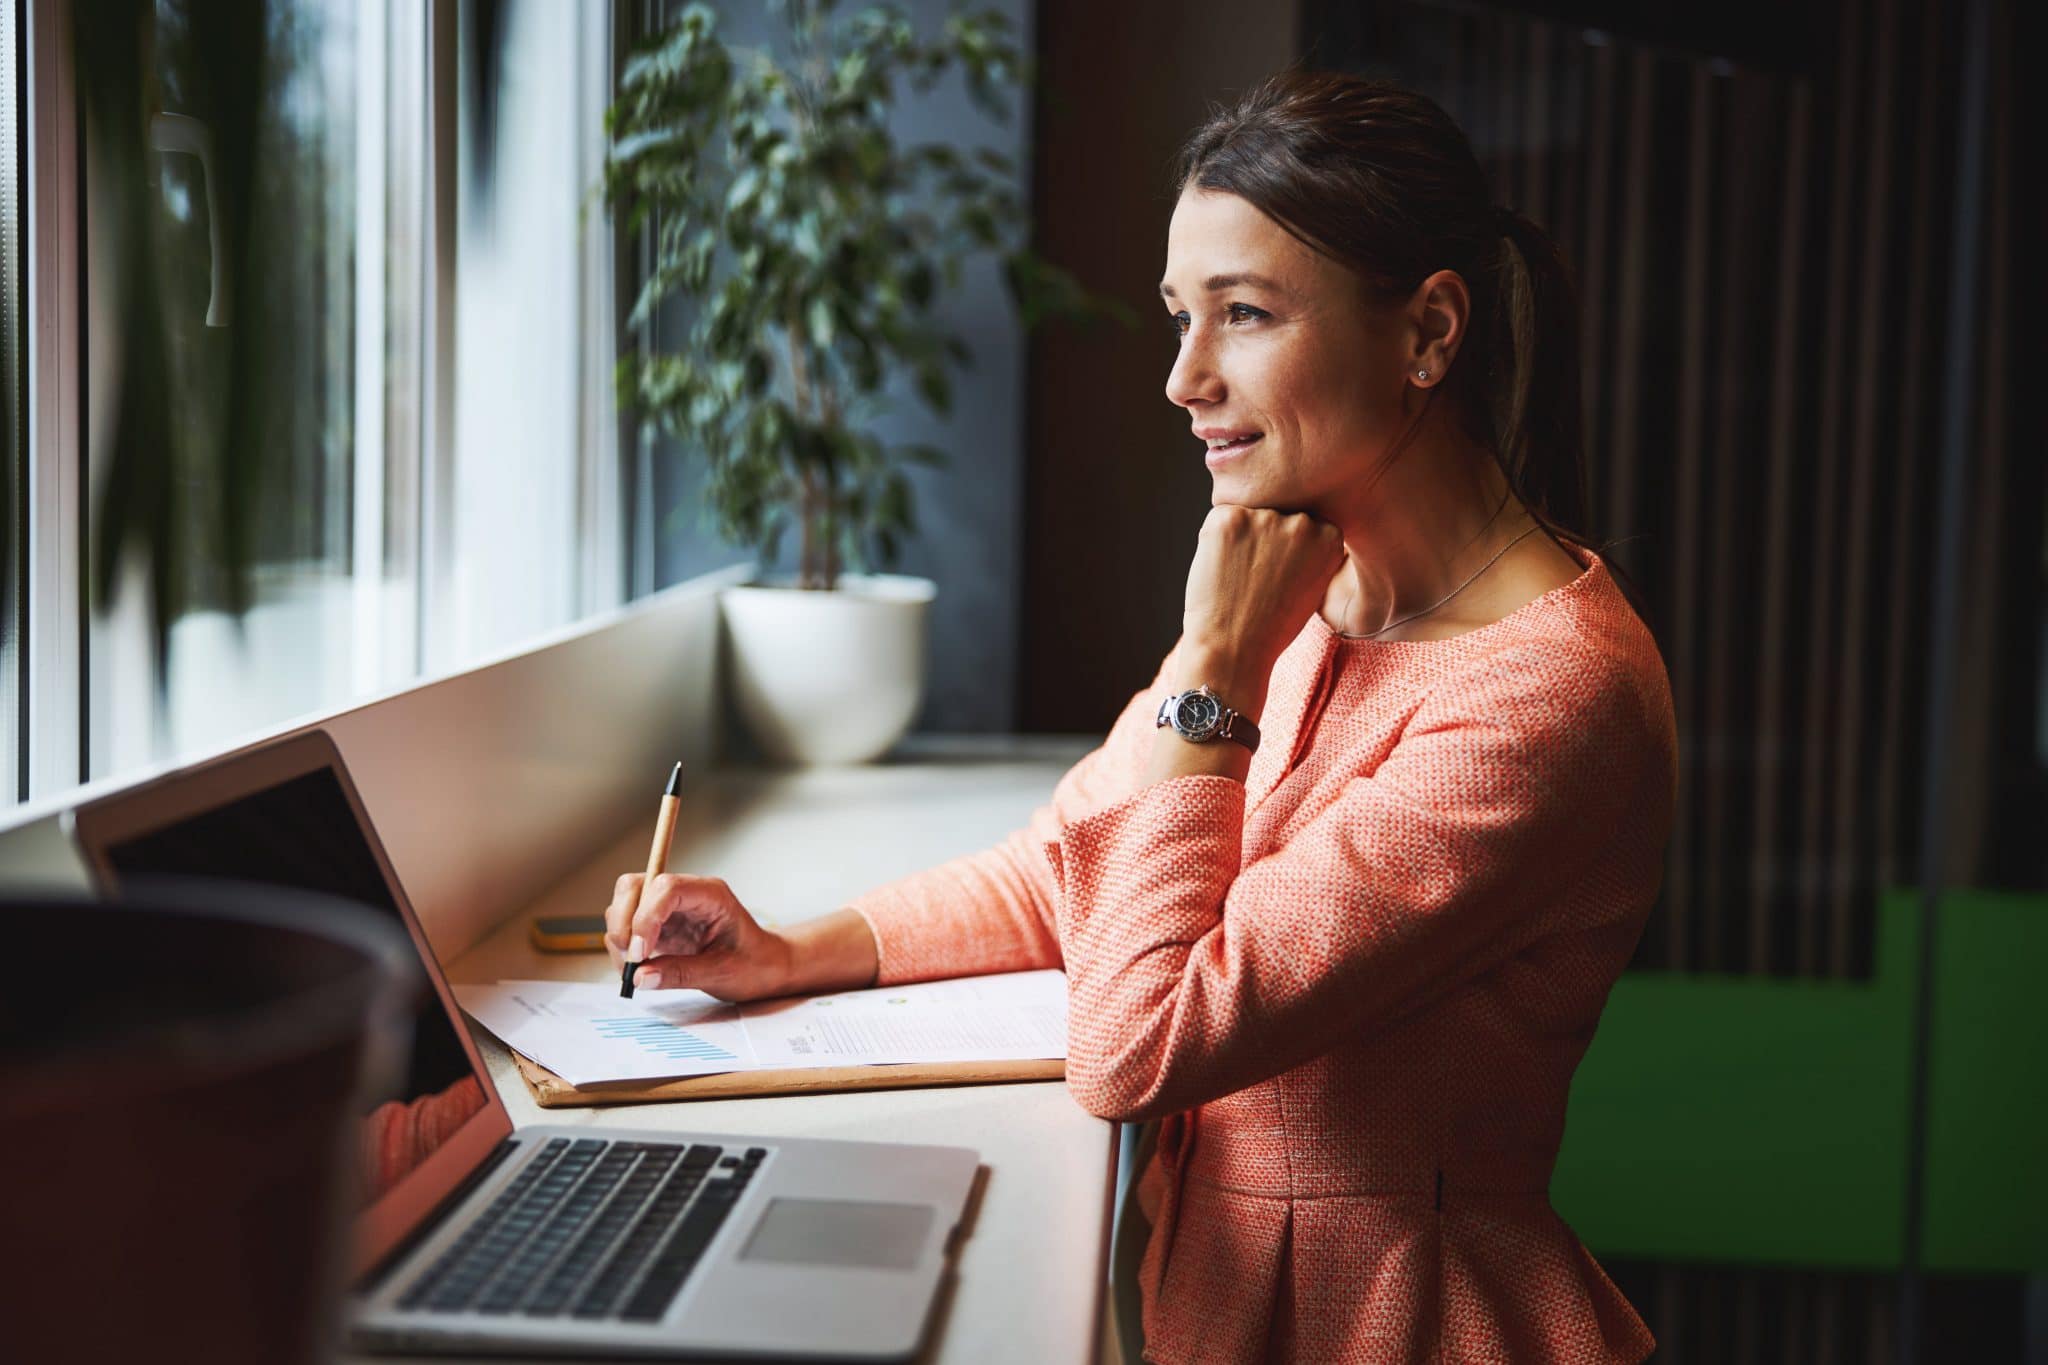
[
  {"x": 1257, "y": 575},
  {"x": 639, "y": 917},
  {"x": 670, "y": 908},
  {"x": 618, "y": 917},
  {"x": 660, "y": 902},
  {"x": 723, "y": 972},
  {"x": 683, "y": 914},
  {"x": 688, "y": 931}
]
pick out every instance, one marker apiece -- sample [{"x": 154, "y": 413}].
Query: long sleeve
[
  {"x": 992, "y": 911},
  {"x": 1192, "y": 975},
  {"x": 398, "y": 1135}
]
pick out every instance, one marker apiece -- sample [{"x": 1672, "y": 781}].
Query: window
[
  {"x": 534, "y": 541},
  {"x": 434, "y": 302},
  {"x": 302, "y": 647}
]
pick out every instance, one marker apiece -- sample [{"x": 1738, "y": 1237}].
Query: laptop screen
[
  {"x": 301, "y": 833},
  {"x": 284, "y": 819}
]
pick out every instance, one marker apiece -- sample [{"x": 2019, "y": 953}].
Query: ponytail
[
  {"x": 1532, "y": 383},
  {"x": 1533, "y": 390}
]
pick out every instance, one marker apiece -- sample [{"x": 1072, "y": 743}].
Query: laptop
[{"x": 567, "y": 1240}]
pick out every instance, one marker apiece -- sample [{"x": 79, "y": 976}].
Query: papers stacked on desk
[{"x": 586, "y": 1034}]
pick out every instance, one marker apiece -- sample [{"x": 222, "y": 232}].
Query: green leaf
[
  {"x": 759, "y": 372},
  {"x": 819, "y": 318},
  {"x": 744, "y": 187},
  {"x": 918, "y": 284},
  {"x": 935, "y": 388},
  {"x": 851, "y": 70}
]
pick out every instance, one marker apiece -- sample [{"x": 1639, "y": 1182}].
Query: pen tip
[{"x": 675, "y": 780}]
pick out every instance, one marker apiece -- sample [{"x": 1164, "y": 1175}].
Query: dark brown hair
[{"x": 1379, "y": 179}]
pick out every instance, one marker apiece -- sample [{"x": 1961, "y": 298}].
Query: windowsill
[{"x": 489, "y": 783}]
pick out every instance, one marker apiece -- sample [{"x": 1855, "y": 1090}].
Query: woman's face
[{"x": 1280, "y": 347}]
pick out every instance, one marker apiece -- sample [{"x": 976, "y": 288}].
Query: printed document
[{"x": 584, "y": 1033}]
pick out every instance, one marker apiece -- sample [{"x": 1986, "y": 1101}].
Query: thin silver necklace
[{"x": 1441, "y": 600}]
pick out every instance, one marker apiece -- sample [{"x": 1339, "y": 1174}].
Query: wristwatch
[{"x": 1200, "y": 715}]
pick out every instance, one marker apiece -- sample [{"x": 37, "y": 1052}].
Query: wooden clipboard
[{"x": 552, "y": 1092}]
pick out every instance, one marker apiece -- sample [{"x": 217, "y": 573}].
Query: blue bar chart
[{"x": 662, "y": 1038}]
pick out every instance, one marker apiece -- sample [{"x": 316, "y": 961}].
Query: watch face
[{"x": 1197, "y": 714}]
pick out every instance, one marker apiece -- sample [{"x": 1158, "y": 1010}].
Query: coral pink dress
[{"x": 1355, "y": 985}]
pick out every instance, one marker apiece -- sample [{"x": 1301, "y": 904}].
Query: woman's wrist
[
  {"x": 834, "y": 952},
  {"x": 1240, "y": 688},
  {"x": 1173, "y": 756}
]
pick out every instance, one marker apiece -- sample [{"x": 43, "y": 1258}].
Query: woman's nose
[{"x": 1193, "y": 378}]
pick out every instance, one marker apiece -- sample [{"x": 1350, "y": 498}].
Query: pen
[{"x": 657, "y": 861}]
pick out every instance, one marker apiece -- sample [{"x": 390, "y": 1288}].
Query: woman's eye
[{"x": 1239, "y": 312}]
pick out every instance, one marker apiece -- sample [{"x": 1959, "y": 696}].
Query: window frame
[{"x": 55, "y": 632}]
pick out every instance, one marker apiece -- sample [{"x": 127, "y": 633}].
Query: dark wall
[{"x": 1115, "y": 487}]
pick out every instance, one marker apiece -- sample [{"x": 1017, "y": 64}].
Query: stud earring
[{"x": 1422, "y": 374}]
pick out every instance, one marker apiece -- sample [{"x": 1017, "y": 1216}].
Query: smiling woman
[
  {"x": 1382, "y": 366},
  {"x": 1341, "y": 896}
]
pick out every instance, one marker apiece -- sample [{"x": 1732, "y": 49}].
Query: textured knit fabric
[
  {"x": 399, "y": 1134},
  {"x": 1354, "y": 986}
]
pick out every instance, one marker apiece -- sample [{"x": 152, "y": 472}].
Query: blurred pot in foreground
[{"x": 184, "y": 1075}]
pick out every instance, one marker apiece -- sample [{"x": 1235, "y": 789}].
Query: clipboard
[{"x": 550, "y": 1091}]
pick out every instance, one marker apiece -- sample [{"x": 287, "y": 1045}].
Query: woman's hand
[
  {"x": 1257, "y": 575},
  {"x": 696, "y": 933}
]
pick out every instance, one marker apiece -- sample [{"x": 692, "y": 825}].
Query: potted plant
[{"x": 807, "y": 248}]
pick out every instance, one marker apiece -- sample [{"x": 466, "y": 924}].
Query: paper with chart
[{"x": 584, "y": 1033}]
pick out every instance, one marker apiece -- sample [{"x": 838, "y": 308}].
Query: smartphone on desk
[{"x": 568, "y": 933}]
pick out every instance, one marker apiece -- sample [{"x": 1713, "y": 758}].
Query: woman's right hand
[{"x": 694, "y": 932}]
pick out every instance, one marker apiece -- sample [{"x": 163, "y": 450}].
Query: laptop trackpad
[{"x": 840, "y": 1232}]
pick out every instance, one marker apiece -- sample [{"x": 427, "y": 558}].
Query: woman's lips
[{"x": 1219, "y": 456}]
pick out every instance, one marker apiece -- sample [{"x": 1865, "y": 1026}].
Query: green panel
[
  {"x": 1987, "y": 1169},
  {"x": 1737, "y": 1119}
]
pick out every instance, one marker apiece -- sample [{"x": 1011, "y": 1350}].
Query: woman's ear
[{"x": 1438, "y": 312}]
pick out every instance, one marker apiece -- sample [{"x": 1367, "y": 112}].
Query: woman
[{"x": 1351, "y": 962}]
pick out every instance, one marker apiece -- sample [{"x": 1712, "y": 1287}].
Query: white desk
[{"x": 1029, "y": 1277}]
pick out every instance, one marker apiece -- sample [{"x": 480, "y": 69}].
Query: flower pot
[
  {"x": 184, "y": 1077},
  {"x": 827, "y": 677}
]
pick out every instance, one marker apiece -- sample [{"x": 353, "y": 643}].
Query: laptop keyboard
[{"x": 590, "y": 1229}]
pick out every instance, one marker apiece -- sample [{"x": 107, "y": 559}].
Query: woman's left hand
[{"x": 1257, "y": 575}]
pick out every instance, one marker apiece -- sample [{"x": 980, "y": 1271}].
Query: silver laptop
[{"x": 559, "y": 1239}]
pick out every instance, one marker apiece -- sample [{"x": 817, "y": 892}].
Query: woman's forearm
[{"x": 834, "y": 952}]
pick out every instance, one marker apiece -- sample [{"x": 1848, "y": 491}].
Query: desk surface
[{"x": 1029, "y": 1278}]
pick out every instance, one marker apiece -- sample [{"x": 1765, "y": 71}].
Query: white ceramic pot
[{"x": 828, "y": 677}]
